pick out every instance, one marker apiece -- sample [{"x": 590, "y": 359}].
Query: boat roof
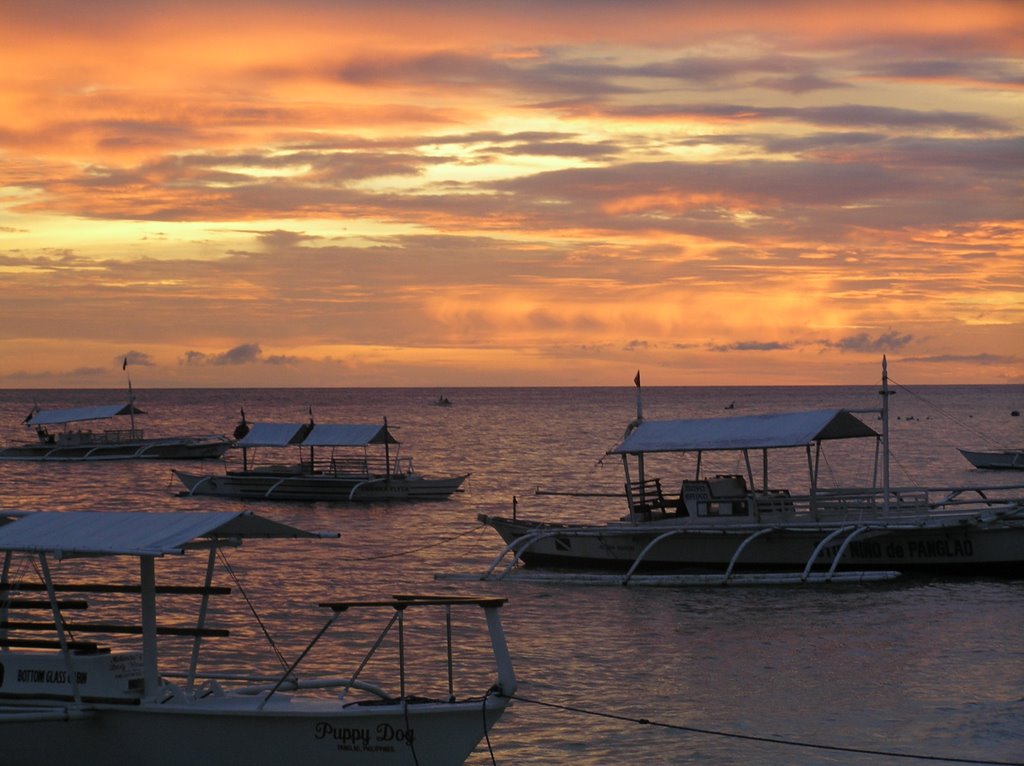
[
  {"x": 272, "y": 435},
  {"x": 788, "y": 429},
  {"x": 75, "y": 414},
  {"x": 135, "y": 533},
  {"x": 319, "y": 435}
]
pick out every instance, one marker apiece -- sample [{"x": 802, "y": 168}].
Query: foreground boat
[
  {"x": 63, "y": 697},
  {"x": 1007, "y": 459},
  {"x": 737, "y": 528},
  {"x": 72, "y": 442},
  {"x": 348, "y": 472}
]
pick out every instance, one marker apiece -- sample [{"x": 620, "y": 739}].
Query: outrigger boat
[
  {"x": 1003, "y": 460},
  {"x": 65, "y": 697},
  {"x": 71, "y": 442},
  {"x": 349, "y": 471},
  {"x": 738, "y": 528}
]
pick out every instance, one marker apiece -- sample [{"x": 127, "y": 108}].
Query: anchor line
[
  {"x": 252, "y": 609},
  {"x": 487, "y": 736},
  {"x": 408, "y": 727},
  {"x": 406, "y": 551},
  {"x": 768, "y": 740},
  {"x": 942, "y": 411}
]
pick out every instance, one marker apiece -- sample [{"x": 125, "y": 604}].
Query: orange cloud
[{"x": 395, "y": 183}]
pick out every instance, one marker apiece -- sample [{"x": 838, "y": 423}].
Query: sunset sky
[{"x": 329, "y": 193}]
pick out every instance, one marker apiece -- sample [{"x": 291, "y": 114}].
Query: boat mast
[
  {"x": 312, "y": 462},
  {"x": 131, "y": 396},
  {"x": 640, "y": 455},
  {"x": 241, "y": 431},
  {"x": 885, "y": 434}
]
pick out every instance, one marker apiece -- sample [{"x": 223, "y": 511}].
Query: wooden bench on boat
[
  {"x": 10, "y": 602},
  {"x": 647, "y": 500}
]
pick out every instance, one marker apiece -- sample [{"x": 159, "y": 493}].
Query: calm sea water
[{"x": 928, "y": 667}]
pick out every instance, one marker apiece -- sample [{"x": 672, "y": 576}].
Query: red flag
[{"x": 636, "y": 380}]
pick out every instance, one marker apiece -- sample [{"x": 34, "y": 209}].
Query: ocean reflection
[{"x": 933, "y": 667}]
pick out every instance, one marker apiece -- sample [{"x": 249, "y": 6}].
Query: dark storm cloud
[
  {"x": 984, "y": 359},
  {"x": 889, "y": 341},
  {"x": 137, "y": 359},
  {"x": 247, "y": 353},
  {"x": 840, "y": 116},
  {"x": 751, "y": 345}
]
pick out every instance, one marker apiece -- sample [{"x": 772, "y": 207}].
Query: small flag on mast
[{"x": 639, "y": 398}]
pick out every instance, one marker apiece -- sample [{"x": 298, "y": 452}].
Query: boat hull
[
  {"x": 197, "y": 448},
  {"x": 1003, "y": 460},
  {"x": 258, "y": 485},
  {"x": 996, "y": 549},
  {"x": 439, "y": 734}
]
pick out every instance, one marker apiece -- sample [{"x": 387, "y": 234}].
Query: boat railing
[
  {"x": 853, "y": 504},
  {"x": 345, "y": 464},
  {"x": 775, "y": 501},
  {"x": 353, "y": 465},
  {"x": 505, "y": 684},
  {"x": 867, "y": 503},
  {"x": 64, "y": 636},
  {"x": 914, "y": 501},
  {"x": 110, "y": 436},
  {"x": 261, "y": 684}
]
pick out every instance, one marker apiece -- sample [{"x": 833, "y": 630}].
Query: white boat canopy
[
  {"x": 272, "y": 435},
  {"x": 75, "y": 414},
  {"x": 792, "y": 429},
  {"x": 353, "y": 435},
  {"x": 320, "y": 435},
  {"x": 134, "y": 533}
]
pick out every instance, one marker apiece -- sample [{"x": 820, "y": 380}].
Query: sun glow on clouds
[{"x": 373, "y": 193}]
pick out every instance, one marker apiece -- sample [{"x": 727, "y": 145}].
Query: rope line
[
  {"x": 407, "y": 551},
  {"x": 942, "y": 411},
  {"x": 252, "y": 609},
  {"x": 769, "y": 740},
  {"x": 487, "y": 737}
]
